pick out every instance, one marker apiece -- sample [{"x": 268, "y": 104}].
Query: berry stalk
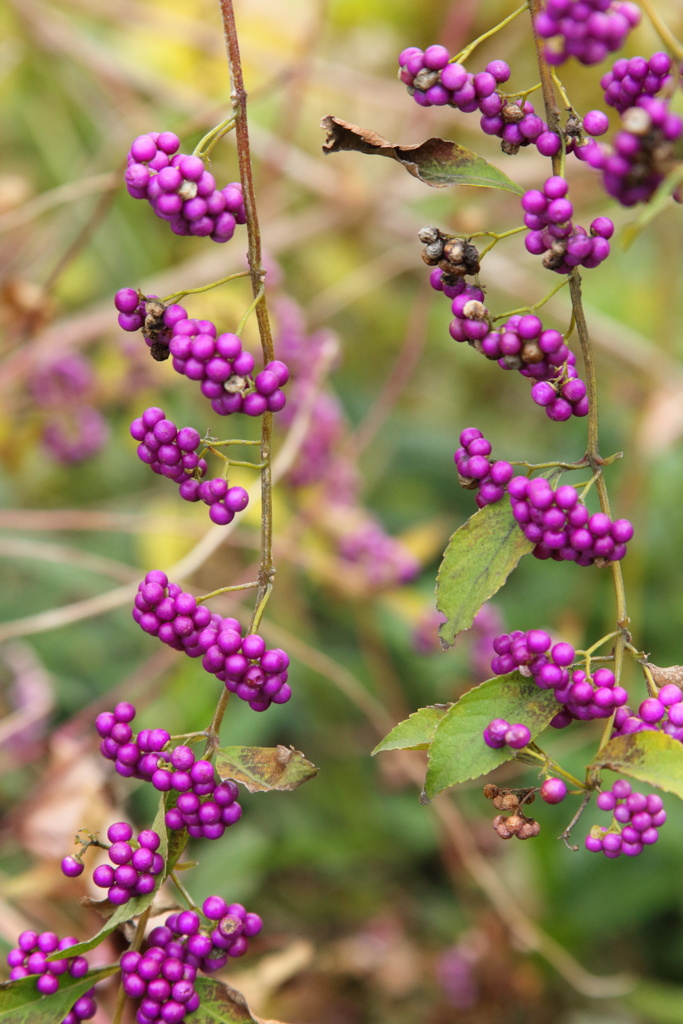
[
  {"x": 592, "y": 444},
  {"x": 257, "y": 274}
]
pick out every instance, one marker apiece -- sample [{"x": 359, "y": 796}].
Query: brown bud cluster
[
  {"x": 154, "y": 326},
  {"x": 455, "y": 257},
  {"x": 517, "y": 823}
]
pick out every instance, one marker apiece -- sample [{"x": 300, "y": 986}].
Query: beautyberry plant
[
  {"x": 161, "y": 970},
  {"x": 557, "y": 511}
]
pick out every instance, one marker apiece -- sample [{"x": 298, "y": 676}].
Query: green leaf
[
  {"x": 458, "y": 751},
  {"x": 138, "y": 904},
  {"x": 479, "y": 558},
  {"x": 436, "y": 162},
  {"x": 21, "y": 1003},
  {"x": 261, "y": 769},
  {"x": 659, "y": 202},
  {"x": 651, "y": 757},
  {"x": 223, "y": 1004},
  {"x": 416, "y": 732}
]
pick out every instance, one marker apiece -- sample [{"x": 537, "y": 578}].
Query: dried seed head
[
  {"x": 490, "y": 791},
  {"x": 428, "y": 234},
  {"x": 470, "y": 484},
  {"x": 574, "y": 126},
  {"x": 188, "y": 189},
  {"x": 515, "y": 822},
  {"x": 434, "y": 251},
  {"x": 425, "y": 79},
  {"x": 159, "y": 351},
  {"x": 512, "y": 113},
  {"x": 500, "y": 824},
  {"x": 636, "y": 120},
  {"x": 236, "y": 383},
  {"x": 531, "y": 353},
  {"x": 475, "y": 310},
  {"x": 529, "y": 829},
  {"x": 513, "y": 362}
]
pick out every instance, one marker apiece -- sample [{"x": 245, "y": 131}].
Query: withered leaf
[
  {"x": 670, "y": 674},
  {"x": 436, "y": 162},
  {"x": 260, "y": 769}
]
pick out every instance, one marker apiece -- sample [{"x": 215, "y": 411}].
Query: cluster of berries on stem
[
  {"x": 30, "y": 957},
  {"x": 476, "y": 470},
  {"x": 433, "y": 79},
  {"x": 136, "y": 865},
  {"x": 561, "y": 527},
  {"x": 548, "y": 215},
  {"x": 180, "y": 190},
  {"x": 257, "y": 674},
  {"x": 162, "y": 974},
  {"x": 585, "y": 29},
  {"x": 636, "y": 819},
  {"x": 171, "y": 452}
]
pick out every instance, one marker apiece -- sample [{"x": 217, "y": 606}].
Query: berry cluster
[
  {"x": 223, "y": 368},
  {"x": 136, "y": 864},
  {"x": 180, "y": 190},
  {"x": 163, "y": 973},
  {"x": 475, "y": 469},
  {"x": 631, "y": 78},
  {"x": 384, "y": 560},
  {"x": 663, "y": 712},
  {"x": 642, "y": 154},
  {"x": 562, "y": 528},
  {"x": 499, "y": 733},
  {"x": 585, "y": 29},
  {"x": 433, "y": 80},
  {"x": 30, "y": 956},
  {"x": 204, "y": 805},
  {"x": 586, "y": 698},
  {"x": 548, "y": 215},
  {"x": 255, "y": 673},
  {"x": 521, "y": 343},
  {"x": 163, "y": 609},
  {"x": 562, "y": 398},
  {"x": 171, "y": 452},
  {"x": 533, "y": 654},
  {"x": 73, "y": 429},
  {"x": 133, "y": 756},
  {"x": 217, "y": 361},
  {"x": 635, "y": 823}
]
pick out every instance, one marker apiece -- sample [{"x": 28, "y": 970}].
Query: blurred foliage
[{"x": 371, "y": 914}]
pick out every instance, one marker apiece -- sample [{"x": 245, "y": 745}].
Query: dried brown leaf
[
  {"x": 670, "y": 674},
  {"x": 436, "y": 162}
]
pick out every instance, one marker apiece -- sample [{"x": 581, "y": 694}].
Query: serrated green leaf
[
  {"x": 261, "y": 769},
  {"x": 21, "y": 1003},
  {"x": 136, "y": 905},
  {"x": 651, "y": 757},
  {"x": 415, "y": 732},
  {"x": 479, "y": 558},
  {"x": 458, "y": 751},
  {"x": 220, "y": 1004},
  {"x": 656, "y": 205},
  {"x": 436, "y": 162}
]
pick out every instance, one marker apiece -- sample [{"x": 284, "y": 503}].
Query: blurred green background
[{"x": 374, "y": 909}]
